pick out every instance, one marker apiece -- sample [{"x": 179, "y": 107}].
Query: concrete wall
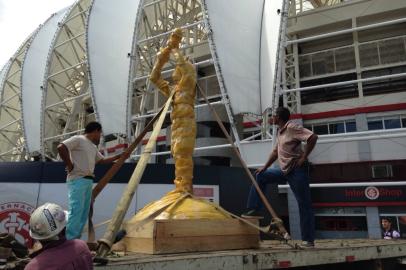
[{"x": 337, "y": 17}]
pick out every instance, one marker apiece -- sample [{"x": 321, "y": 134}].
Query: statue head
[{"x": 183, "y": 65}]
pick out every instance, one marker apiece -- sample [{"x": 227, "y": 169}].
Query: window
[
  {"x": 320, "y": 129},
  {"x": 333, "y": 128},
  {"x": 384, "y": 85},
  {"x": 206, "y": 129},
  {"x": 337, "y": 128},
  {"x": 216, "y": 131},
  {"x": 375, "y": 124},
  {"x": 392, "y": 123},
  {"x": 329, "y": 93},
  {"x": 387, "y": 122},
  {"x": 382, "y": 171},
  {"x": 350, "y": 126}
]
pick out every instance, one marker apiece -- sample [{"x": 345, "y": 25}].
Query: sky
[{"x": 19, "y": 18}]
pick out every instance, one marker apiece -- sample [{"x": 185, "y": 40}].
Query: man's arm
[
  {"x": 112, "y": 159},
  {"x": 64, "y": 154},
  {"x": 271, "y": 159},
  {"x": 311, "y": 142}
]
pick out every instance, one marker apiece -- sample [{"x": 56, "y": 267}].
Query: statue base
[{"x": 180, "y": 222}]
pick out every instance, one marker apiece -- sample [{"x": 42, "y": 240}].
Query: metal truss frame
[
  {"x": 156, "y": 20},
  {"x": 12, "y": 144},
  {"x": 66, "y": 105}
]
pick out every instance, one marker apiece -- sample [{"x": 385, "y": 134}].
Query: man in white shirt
[{"x": 80, "y": 155}]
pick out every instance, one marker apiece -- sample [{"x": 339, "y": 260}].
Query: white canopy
[
  {"x": 269, "y": 49},
  {"x": 111, "y": 28},
  {"x": 245, "y": 37},
  {"x": 33, "y": 75}
]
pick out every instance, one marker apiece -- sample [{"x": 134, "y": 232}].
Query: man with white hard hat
[{"x": 47, "y": 225}]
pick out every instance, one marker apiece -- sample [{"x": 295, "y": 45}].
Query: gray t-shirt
[{"x": 84, "y": 155}]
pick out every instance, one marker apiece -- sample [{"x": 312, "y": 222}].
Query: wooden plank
[
  {"x": 172, "y": 236},
  {"x": 139, "y": 245},
  {"x": 146, "y": 231},
  {"x": 205, "y": 243},
  {"x": 202, "y": 227}
]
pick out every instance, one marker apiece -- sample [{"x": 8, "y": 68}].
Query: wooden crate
[{"x": 174, "y": 236}]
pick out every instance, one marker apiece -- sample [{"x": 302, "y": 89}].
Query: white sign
[{"x": 372, "y": 193}]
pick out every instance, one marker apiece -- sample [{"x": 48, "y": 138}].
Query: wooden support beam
[{"x": 190, "y": 235}]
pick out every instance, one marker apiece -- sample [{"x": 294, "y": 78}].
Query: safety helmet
[{"x": 47, "y": 221}]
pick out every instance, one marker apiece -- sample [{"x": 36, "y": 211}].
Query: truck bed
[{"x": 271, "y": 255}]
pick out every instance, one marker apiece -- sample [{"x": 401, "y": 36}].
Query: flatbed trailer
[{"x": 361, "y": 254}]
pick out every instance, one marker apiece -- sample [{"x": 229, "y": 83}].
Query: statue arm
[
  {"x": 156, "y": 76},
  {"x": 162, "y": 59}
]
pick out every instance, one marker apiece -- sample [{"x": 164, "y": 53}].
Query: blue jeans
[
  {"x": 298, "y": 181},
  {"x": 79, "y": 195}
]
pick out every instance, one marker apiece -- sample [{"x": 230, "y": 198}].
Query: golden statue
[
  {"x": 183, "y": 132},
  {"x": 179, "y": 203}
]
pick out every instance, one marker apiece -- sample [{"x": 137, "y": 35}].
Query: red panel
[
  {"x": 159, "y": 139},
  {"x": 251, "y": 124},
  {"x": 344, "y": 112},
  {"x": 284, "y": 264},
  {"x": 349, "y": 258},
  {"x": 118, "y": 146}
]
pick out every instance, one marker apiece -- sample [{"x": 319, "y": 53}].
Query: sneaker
[
  {"x": 307, "y": 244},
  {"x": 253, "y": 213}
]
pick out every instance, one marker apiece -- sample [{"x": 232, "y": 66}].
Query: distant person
[
  {"x": 292, "y": 161},
  {"x": 80, "y": 155},
  {"x": 387, "y": 231},
  {"x": 47, "y": 225}
]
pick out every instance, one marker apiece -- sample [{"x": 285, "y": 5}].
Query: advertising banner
[{"x": 359, "y": 196}]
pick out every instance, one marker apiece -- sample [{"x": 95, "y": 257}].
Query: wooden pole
[{"x": 106, "y": 242}]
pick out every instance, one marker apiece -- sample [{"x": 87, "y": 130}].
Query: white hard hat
[{"x": 47, "y": 221}]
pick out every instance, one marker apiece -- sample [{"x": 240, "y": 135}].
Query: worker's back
[{"x": 70, "y": 255}]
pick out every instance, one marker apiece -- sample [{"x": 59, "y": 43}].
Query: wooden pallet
[{"x": 192, "y": 235}]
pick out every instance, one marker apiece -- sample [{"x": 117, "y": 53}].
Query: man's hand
[{"x": 260, "y": 170}]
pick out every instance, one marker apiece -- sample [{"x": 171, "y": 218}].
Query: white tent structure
[
  {"x": 12, "y": 146},
  {"x": 91, "y": 61},
  {"x": 33, "y": 72}
]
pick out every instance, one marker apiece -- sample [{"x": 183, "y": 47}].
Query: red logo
[
  {"x": 372, "y": 193},
  {"x": 15, "y": 219}
]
